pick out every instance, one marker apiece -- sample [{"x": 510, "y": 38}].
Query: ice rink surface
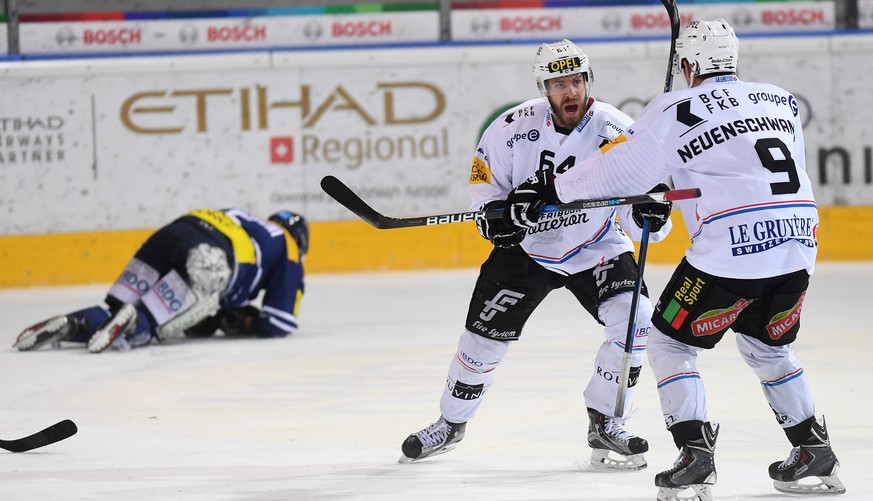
[{"x": 321, "y": 415}]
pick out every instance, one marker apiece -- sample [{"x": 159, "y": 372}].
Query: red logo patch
[
  {"x": 281, "y": 150},
  {"x": 783, "y": 321}
]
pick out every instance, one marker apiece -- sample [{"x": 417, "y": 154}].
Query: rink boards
[
  {"x": 95, "y": 154},
  {"x": 352, "y": 246}
]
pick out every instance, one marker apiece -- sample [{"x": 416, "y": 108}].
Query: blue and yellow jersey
[{"x": 265, "y": 258}]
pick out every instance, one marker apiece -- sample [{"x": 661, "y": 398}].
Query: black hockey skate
[
  {"x": 607, "y": 434},
  {"x": 53, "y": 330},
  {"x": 441, "y": 436},
  {"x": 694, "y": 469},
  {"x": 122, "y": 322},
  {"x": 813, "y": 459}
]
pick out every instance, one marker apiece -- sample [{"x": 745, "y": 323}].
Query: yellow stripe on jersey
[
  {"x": 243, "y": 249},
  {"x": 481, "y": 172},
  {"x": 608, "y": 146},
  {"x": 297, "y": 303},
  {"x": 290, "y": 246}
]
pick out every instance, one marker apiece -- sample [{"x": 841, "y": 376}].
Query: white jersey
[
  {"x": 741, "y": 143},
  {"x": 523, "y": 140}
]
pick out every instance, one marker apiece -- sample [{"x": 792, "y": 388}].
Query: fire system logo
[
  {"x": 602, "y": 269},
  {"x": 281, "y": 150},
  {"x": 501, "y": 301}
]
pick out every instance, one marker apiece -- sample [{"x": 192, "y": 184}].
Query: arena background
[{"x": 119, "y": 116}]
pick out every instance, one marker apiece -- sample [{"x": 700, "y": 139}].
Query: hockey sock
[{"x": 470, "y": 376}]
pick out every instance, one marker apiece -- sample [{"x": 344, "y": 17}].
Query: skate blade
[
  {"x": 696, "y": 492},
  {"x": 37, "y": 335},
  {"x": 605, "y": 459},
  {"x": 815, "y": 485},
  {"x": 406, "y": 460}
]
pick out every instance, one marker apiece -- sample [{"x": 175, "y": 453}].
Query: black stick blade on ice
[{"x": 50, "y": 435}]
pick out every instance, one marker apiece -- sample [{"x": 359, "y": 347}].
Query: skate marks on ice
[{"x": 322, "y": 415}]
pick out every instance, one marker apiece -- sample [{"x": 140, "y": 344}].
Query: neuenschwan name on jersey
[{"x": 742, "y": 144}]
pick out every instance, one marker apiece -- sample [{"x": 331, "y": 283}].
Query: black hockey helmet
[{"x": 296, "y": 226}]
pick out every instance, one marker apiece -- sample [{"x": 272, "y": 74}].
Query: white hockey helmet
[
  {"x": 709, "y": 47},
  {"x": 560, "y": 59}
]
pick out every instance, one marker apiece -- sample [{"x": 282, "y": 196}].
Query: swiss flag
[{"x": 281, "y": 150}]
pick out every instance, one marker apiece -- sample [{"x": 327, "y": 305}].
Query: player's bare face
[{"x": 567, "y": 97}]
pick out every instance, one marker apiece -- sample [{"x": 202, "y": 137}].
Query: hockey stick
[
  {"x": 50, "y": 435},
  {"x": 350, "y": 200},
  {"x": 673, "y": 13}
]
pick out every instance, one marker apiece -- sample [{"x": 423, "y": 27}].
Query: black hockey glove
[
  {"x": 658, "y": 213},
  {"x": 500, "y": 234},
  {"x": 206, "y": 327},
  {"x": 525, "y": 201},
  {"x": 238, "y": 321}
]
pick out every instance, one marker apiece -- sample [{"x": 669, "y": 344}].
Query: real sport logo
[{"x": 533, "y": 135}]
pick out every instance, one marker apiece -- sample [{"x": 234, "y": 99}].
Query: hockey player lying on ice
[{"x": 192, "y": 277}]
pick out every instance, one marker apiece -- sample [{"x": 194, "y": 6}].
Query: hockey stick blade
[
  {"x": 50, "y": 435},
  {"x": 351, "y": 201}
]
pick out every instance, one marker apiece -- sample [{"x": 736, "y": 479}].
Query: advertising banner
[
  {"x": 228, "y": 33},
  {"x": 635, "y": 21},
  {"x": 865, "y": 13},
  {"x": 135, "y": 146}
]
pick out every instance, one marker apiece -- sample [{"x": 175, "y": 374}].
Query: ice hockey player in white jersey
[
  {"x": 586, "y": 252},
  {"x": 193, "y": 277},
  {"x": 753, "y": 249}
]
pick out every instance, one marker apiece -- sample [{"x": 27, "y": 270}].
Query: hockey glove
[
  {"x": 658, "y": 213},
  {"x": 206, "y": 327},
  {"x": 500, "y": 234},
  {"x": 525, "y": 201},
  {"x": 238, "y": 321}
]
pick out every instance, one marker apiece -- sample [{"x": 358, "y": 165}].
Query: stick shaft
[{"x": 350, "y": 200}]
